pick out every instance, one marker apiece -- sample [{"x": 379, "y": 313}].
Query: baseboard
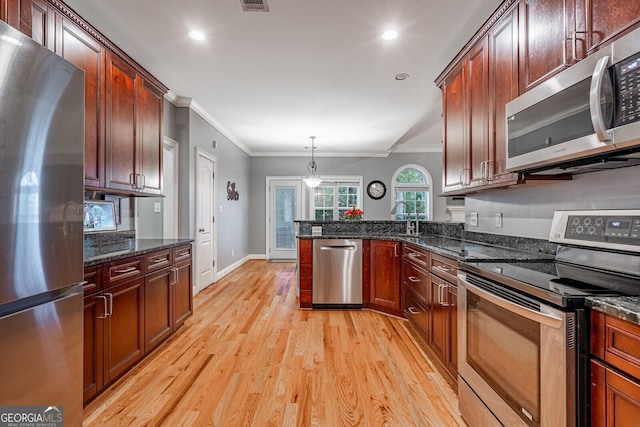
[{"x": 237, "y": 264}]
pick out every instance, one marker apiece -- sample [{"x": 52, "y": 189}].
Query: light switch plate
[
  {"x": 473, "y": 219},
  {"x": 157, "y": 207},
  {"x": 499, "y": 219}
]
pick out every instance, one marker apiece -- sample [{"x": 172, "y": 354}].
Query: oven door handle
[{"x": 542, "y": 318}]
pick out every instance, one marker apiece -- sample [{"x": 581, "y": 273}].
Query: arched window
[{"x": 412, "y": 185}]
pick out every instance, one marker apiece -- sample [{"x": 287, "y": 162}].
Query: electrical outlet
[
  {"x": 233, "y": 252},
  {"x": 157, "y": 207},
  {"x": 499, "y": 219},
  {"x": 473, "y": 219}
]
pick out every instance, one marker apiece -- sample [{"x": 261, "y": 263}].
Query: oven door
[{"x": 514, "y": 356}]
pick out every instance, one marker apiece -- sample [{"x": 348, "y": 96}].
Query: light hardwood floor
[{"x": 249, "y": 357}]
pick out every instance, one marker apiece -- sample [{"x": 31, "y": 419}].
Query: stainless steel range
[{"x": 523, "y": 327}]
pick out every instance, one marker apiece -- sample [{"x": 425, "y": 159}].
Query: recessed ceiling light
[
  {"x": 389, "y": 35},
  {"x": 196, "y": 35},
  {"x": 402, "y": 76}
]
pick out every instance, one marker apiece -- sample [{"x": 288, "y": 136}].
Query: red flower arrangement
[{"x": 354, "y": 214}]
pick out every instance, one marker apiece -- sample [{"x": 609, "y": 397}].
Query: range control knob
[
  {"x": 591, "y": 230},
  {"x": 576, "y": 221},
  {"x": 587, "y": 222},
  {"x": 599, "y": 222},
  {"x": 579, "y": 229}
]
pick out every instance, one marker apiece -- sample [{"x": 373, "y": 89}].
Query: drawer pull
[
  {"x": 415, "y": 255},
  {"x": 442, "y": 268},
  {"x": 157, "y": 260},
  {"x": 126, "y": 270},
  {"x": 413, "y": 310},
  {"x": 414, "y": 279},
  {"x": 185, "y": 253}
]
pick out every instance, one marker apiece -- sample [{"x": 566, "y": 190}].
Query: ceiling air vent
[{"x": 255, "y": 5}]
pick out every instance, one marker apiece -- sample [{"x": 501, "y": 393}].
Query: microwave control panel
[{"x": 628, "y": 87}]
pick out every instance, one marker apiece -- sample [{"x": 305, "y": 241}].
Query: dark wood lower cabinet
[
  {"x": 429, "y": 302},
  {"x": 158, "y": 310},
  {"x": 95, "y": 309},
  {"x": 129, "y": 317},
  {"x": 182, "y": 294},
  {"x": 615, "y": 398},
  {"x": 124, "y": 328},
  {"x": 384, "y": 276},
  {"x": 615, "y": 371}
]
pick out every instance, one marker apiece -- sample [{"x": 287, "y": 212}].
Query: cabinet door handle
[
  {"x": 144, "y": 182},
  {"x": 413, "y": 310},
  {"x": 175, "y": 276},
  {"x": 126, "y": 270},
  {"x": 201, "y": 230},
  {"x": 395, "y": 250},
  {"x": 413, "y": 279},
  {"x": 574, "y": 57},
  {"x": 132, "y": 180},
  {"x": 441, "y": 299},
  {"x": 105, "y": 313},
  {"x": 110, "y": 304}
]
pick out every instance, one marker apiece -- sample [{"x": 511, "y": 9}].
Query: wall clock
[{"x": 376, "y": 189}]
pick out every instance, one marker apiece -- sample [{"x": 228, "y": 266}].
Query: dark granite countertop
[
  {"x": 461, "y": 250},
  {"x": 113, "y": 251},
  {"x": 623, "y": 307}
]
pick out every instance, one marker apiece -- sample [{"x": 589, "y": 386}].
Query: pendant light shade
[{"x": 313, "y": 180}]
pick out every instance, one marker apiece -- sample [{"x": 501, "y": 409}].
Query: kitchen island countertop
[{"x": 461, "y": 250}]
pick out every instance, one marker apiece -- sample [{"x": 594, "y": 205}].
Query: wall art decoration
[{"x": 232, "y": 193}]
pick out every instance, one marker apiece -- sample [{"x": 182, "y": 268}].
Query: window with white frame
[
  {"x": 333, "y": 197},
  {"x": 411, "y": 184}
]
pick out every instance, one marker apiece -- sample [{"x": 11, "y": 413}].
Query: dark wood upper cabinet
[
  {"x": 545, "y": 38},
  {"x": 149, "y": 102},
  {"x": 454, "y": 112},
  {"x": 43, "y": 24},
  {"x": 478, "y": 147},
  {"x": 133, "y": 130},
  {"x": 123, "y": 102},
  {"x": 503, "y": 87},
  {"x": 121, "y": 125},
  {"x": 17, "y": 13},
  {"x": 80, "y": 49},
  {"x": 598, "y": 22}
]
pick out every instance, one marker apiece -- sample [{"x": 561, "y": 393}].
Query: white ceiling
[{"x": 269, "y": 80}]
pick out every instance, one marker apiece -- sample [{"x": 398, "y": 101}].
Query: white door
[
  {"x": 205, "y": 221},
  {"x": 170, "y": 186},
  {"x": 284, "y": 208}
]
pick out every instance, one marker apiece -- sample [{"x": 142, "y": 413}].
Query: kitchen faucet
[{"x": 410, "y": 228}]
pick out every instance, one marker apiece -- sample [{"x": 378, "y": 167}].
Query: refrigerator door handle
[{"x": 105, "y": 313}]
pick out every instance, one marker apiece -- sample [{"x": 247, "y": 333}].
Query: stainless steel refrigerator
[{"x": 41, "y": 256}]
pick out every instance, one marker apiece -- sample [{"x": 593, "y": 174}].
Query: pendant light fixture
[{"x": 313, "y": 180}]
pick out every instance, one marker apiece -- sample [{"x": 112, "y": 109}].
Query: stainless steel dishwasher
[{"x": 337, "y": 273}]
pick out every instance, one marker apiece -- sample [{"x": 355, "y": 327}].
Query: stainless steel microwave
[{"x": 585, "y": 118}]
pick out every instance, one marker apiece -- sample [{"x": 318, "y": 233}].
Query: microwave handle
[{"x": 599, "y": 74}]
